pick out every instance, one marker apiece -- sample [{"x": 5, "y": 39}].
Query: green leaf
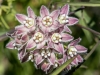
[
  {"x": 62, "y": 67},
  {"x": 3, "y": 21}
]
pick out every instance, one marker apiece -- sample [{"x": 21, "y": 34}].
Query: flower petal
[
  {"x": 24, "y": 37},
  {"x": 54, "y": 14},
  {"x": 45, "y": 66},
  {"x": 66, "y": 29},
  {"x": 79, "y": 58},
  {"x": 59, "y": 48},
  {"x": 21, "y": 18},
  {"x": 10, "y": 45},
  {"x": 75, "y": 42},
  {"x": 21, "y": 52},
  {"x": 44, "y": 11},
  {"x": 40, "y": 45},
  {"x": 25, "y": 58},
  {"x": 66, "y": 37},
  {"x": 30, "y": 12},
  {"x": 52, "y": 59},
  {"x": 21, "y": 28},
  {"x": 38, "y": 59},
  {"x": 31, "y": 44},
  {"x": 81, "y": 49},
  {"x": 72, "y": 21},
  {"x": 65, "y": 9}
]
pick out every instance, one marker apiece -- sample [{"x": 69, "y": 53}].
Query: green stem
[
  {"x": 62, "y": 67},
  {"x": 3, "y": 21},
  {"x": 93, "y": 49},
  {"x": 90, "y": 4}
]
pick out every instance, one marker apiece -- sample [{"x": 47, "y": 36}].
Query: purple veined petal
[
  {"x": 66, "y": 37},
  {"x": 45, "y": 67},
  {"x": 31, "y": 44},
  {"x": 53, "y": 27},
  {"x": 66, "y": 29},
  {"x": 10, "y": 45},
  {"x": 55, "y": 14},
  {"x": 25, "y": 58},
  {"x": 75, "y": 42},
  {"x": 52, "y": 59},
  {"x": 50, "y": 44},
  {"x": 21, "y": 28},
  {"x": 44, "y": 11},
  {"x": 43, "y": 28},
  {"x": 21, "y": 18},
  {"x": 38, "y": 59},
  {"x": 72, "y": 21},
  {"x": 40, "y": 45},
  {"x": 59, "y": 48},
  {"x": 79, "y": 58},
  {"x": 21, "y": 52},
  {"x": 81, "y": 49},
  {"x": 30, "y": 12},
  {"x": 24, "y": 37},
  {"x": 65, "y": 9},
  {"x": 60, "y": 61},
  {"x": 74, "y": 62},
  {"x": 69, "y": 67}
]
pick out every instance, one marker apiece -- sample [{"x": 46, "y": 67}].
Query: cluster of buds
[{"x": 46, "y": 40}]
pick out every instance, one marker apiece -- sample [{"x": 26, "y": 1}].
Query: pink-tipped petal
[
  {"x": 30, "y": 12},
  {"x": 75, "y": 42},
  {"x": 24, "y": 37},
  {"x": 10, "y": 45},
  {"x": 40, "y": 45},
  {"x": 81, "y": 49},
  {"x": 38, "y": 59},
  {"x": 54, "y": 14},
  {"x": 45, "y": 66},
  {"x": 79, "y": 58},
  {"x": 65, "y": 9},
  {"x": 75, "y": 62},
  {"x": 66, "y": 37},
  {"x": 59, "y": 48},
  {"x": 72, "y": 21},
  {"x": 31, "y": 44},
  {"x": 22, "y": 28},
  {"x": 52, "y": 58},
  {"x": 44, "y": 11},
  {"x": 21, "y": 18},
  {"x": 66, "y": 29}
]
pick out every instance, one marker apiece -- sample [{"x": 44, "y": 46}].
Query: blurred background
[{"x": 89, "y": 17}]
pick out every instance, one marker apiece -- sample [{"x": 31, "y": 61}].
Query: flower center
[
  {"x": 63, "y": 19},
  {"x": 45, "y": 53},
  {"x": 72, "y": 51},
  {"x": 56, "y": 38},
  {"x": 29, "y": 22},
  {"x": 38, "y": 37},
  {"x": 47, "y": 21}
]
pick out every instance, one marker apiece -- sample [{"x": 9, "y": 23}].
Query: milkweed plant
[{"x": 46, "y": 40}]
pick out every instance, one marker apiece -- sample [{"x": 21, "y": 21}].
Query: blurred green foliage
[{"x": 89, "y": 17}]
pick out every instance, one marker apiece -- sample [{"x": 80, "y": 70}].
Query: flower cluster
[{"x": 46, "y": 40}]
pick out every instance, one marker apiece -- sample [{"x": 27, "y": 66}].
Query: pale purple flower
[
  {"x": 38, "y": 40},
  {"x": 45, "y": 58},
  {"x": 48, "y": 22},
  {"x": 28, "y": 23},
  {"x": 74, "y": 48},
  {"x": 18, "y": 40},
  {"x": 57, "y": 38},
  {"x": 65, "y": 20}
]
